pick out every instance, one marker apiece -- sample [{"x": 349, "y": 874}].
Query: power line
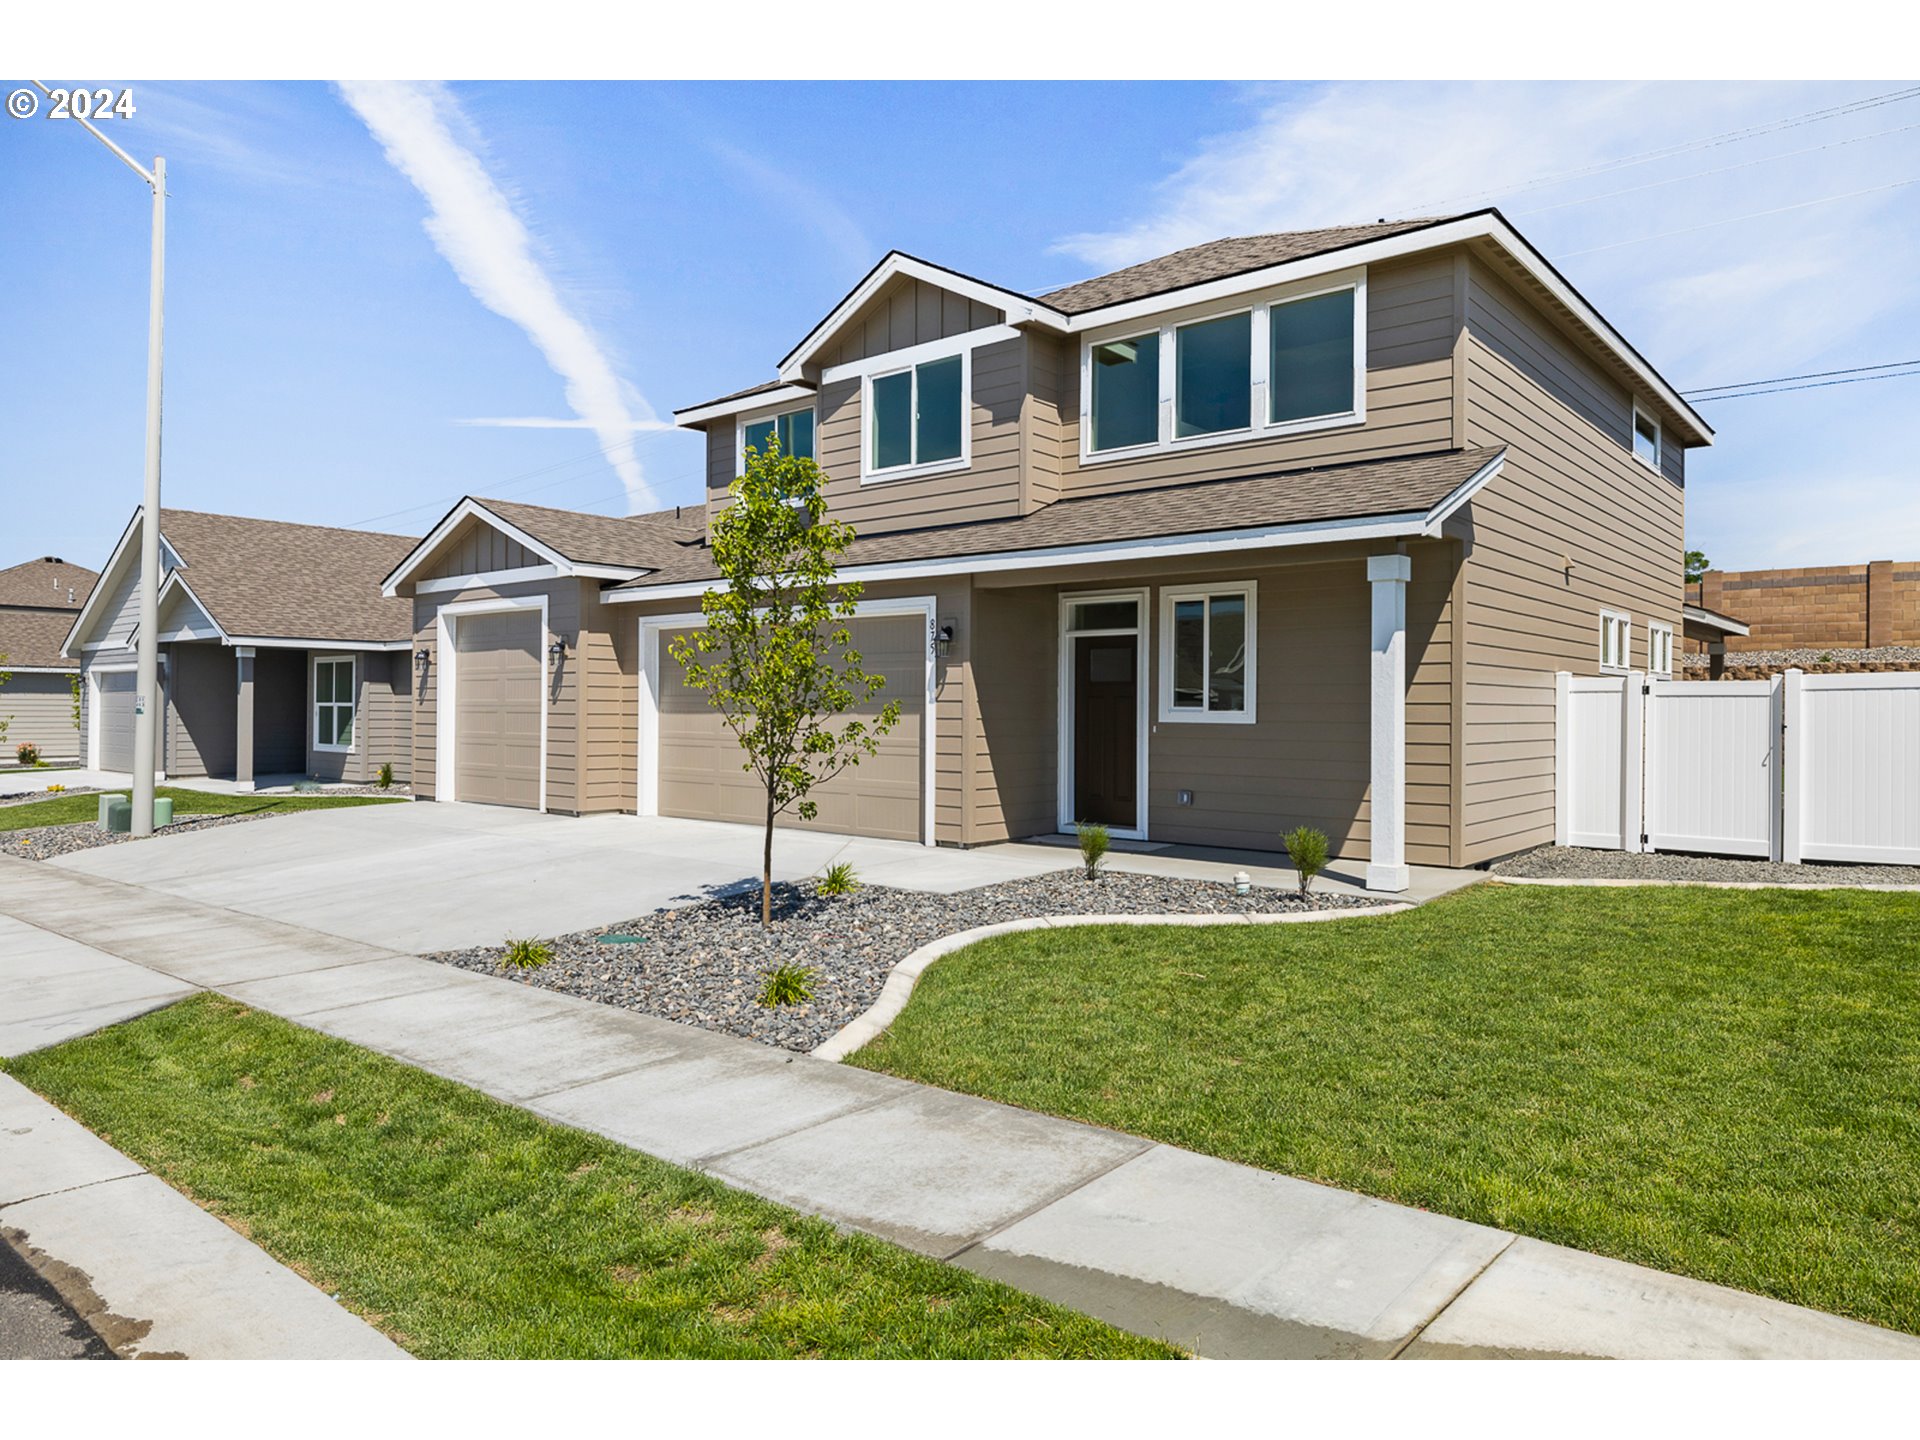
[
  {"x": 1731, "y": 219},
  {"x": 1810, "y": 375},
  {"x": 1728, "y": 137},
  {"x": 1817, "y": 385}
]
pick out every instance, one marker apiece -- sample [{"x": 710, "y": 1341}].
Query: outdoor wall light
[
  {"x": 421, "y": 657},
  {"x": 558, "y": 649},
  {"x": 944, "y": 639}
]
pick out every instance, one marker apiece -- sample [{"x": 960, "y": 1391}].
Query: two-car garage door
[{"x": 700, "y": 774}]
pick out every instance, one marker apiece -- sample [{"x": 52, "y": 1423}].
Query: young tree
[
  {"x": 776, "y": 657},
  {"x": 1697, "y": 565}
]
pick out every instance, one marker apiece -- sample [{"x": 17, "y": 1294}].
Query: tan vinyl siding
[
  {"x": 906, "y": 312},
  {"x": 609, "y": 682},
  {"x": 475, "y": 549},
  {"x": 1409, "y": 397},
  {"x": 38, "y": 710},
  {"x": 1573, "y": 524},
  {"x": 1043, "y": 429},
  {"x": 1012, "y": 743}
]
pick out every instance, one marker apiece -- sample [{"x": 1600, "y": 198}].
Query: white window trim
[
  {"x": 920, "y": 355},
  {"x": 1658, "y": 662},
  {"x": 1656, "y": 464},
  {"x": 760, "y": 417},
  {"x": 1259, "y": 374},
  {"x": 314, "y": 702},
  {"x": 1625, "y": 622},
  {"x": 1063, "y": 705},
  {"x": 1251, "y": 591},
  {"x": 446, "y": 709},
  {"x": 652, "y": 627}
]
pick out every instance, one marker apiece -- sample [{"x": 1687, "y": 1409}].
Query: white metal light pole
[{"x": 146, "y": 721}]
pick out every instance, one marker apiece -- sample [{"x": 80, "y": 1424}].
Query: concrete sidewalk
[
  {"x": 145, "y": 1269},
  {"x": 1228, "y": 1260}
]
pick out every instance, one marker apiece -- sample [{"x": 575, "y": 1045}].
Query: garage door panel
[
  {"x": 700, "y": 775},
  {"x": 497, "y": 709}
]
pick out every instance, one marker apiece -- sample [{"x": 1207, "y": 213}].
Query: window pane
[
  {"x": 1213, "y": 387},
  {"x": 1103, "y": 615},
  {"x": 892, "y": 423},
  {"x": 1311, "y": 370},
  {"x": 796, "y": 434},
  {"x": 1126, "y": 393},
  {"x": 1227, "y": 653},
  {"x": 323, "y": 682},
  {"x": 1646, "y": 438},
  {"x": 343, "y": 730},
  {"x": 940, "y": 411},
  {"x": 757, "y": 435},
  {"x": 1189, "y": 654},
  {"x": 323, "y": 725}
]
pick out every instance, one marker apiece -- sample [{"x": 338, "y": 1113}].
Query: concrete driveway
[{"x": 426, "y": 877}]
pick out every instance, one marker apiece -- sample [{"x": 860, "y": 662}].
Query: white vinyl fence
[{"x": 1815, "y": 767}]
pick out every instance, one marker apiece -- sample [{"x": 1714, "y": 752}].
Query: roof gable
[{"x": 503, "y": 538}]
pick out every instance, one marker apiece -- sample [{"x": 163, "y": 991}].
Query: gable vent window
[
  {"x": 917, "y": 416},
  {"x": 794, "y": 430}
]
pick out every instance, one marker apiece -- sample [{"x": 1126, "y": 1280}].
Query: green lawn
[
  {"x": 1725, "y": 1084},
  {"x": 72, "y": 809},
  {"x": 464, "y": 1227}
]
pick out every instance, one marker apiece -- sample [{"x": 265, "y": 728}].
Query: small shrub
[
  {"x": 27, "y": 753},
  {"x": 839, "y": 880},
  {"x": 1825, "y": 660},
  {"x": 1307, "y": 848},
  {"x": 1094, "y": 844},
  {"x": 527, "y": 954},
  {"x": 385, "y": 778},
  {"x": 787, "y": 984}
]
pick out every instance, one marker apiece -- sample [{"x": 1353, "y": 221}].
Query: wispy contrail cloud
[{"x": 475, "y": 227}]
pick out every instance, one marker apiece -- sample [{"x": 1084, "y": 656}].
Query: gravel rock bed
[
  {"x": 47, "y": 841},
  {"x": 1551, "y": 862},
  {"x": 1903, "y": 657},
  {"x": 702, "y": 963}
]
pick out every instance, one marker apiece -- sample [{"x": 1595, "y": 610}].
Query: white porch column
[
  {"x": 243, "y": 717},
  {"x": 1387, "y": 869}
]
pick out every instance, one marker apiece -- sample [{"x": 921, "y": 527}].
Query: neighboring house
[
  {"x": 1280, "y": 530},
  {"x": 38, "y": 601},
  {"x": 279, "y": 656}
]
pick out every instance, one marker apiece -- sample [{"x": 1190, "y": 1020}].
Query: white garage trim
[
  {"x": 93, "y": 673},
  {"x": 651, "y": 626},
  {"x": 446, "y": 698}
]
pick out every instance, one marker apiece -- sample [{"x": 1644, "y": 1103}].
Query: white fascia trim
[
  {"x": 1487, "y": 226},
  {"x": 465, "y": 509},
  {"x": 1465, "y": 491},
  {"x": 487, "y": 577},
  {"x": 1316, "y": 532},
  {"x": 647, "y": 796},
  {"x": 743, "y": 404},
  {"x": 277, "y": 642},
  {"x": 41, "y": 669},
  {"x": 610, "y": 572},
  {"x": 1712, "y": 620},
  {"x": 105, "y": 584},
  {"x": 890, "y": 361},
  {"x": 1016, "y": 308}
]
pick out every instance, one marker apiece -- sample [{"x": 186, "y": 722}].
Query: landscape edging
[
  {"x": 1615, "y": 882},
  {"x": 874, "y": 1021}
]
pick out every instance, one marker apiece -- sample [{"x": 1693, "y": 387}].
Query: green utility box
[{"x": 116, "y": 813}]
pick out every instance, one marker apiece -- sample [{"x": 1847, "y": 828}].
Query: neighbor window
[
  {"x": 1659, "y": 648},
  {"x": 1280, "y": 366},
  {"x": 1206, "y": 654},
  {"x": 333, "y": 704},
  {"x": 1310, "y": 364},
  {"x": 1646, "y": 437},
  {"x": 1213, "y": 376},
  {"x": 794, "y": 430},
  {"x": 1615, "y": 629},
  {"x": 1126, "y": 393},
  {"x": 918, "y": 415}
]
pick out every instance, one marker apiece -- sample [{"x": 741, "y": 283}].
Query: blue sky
[{"x": 355, "y": 275}]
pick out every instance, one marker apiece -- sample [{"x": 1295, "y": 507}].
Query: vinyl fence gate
[{"x": 1799, "y": 767}]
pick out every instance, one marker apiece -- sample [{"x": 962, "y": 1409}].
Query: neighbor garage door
[
  {"x": 116, "y": 718},
  {"x": 497, "y": 709},
  {"x": 700, "y": 774}
]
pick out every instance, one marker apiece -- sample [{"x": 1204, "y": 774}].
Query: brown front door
[{"x": 1106, "y": 723}]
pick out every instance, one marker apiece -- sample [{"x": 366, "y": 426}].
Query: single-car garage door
[
  {"x": 497, "y": 709},
  {"x": 700, "y": 774},
  {"x": 116, "y": 691}
]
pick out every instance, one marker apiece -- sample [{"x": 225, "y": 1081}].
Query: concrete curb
[
  {"x": 902, "y": 978},
  {"x": 1612, "y": 884}
]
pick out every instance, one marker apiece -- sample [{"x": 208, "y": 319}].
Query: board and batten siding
[
  {"x": 477, "y": 548},
  {"x": 1410, "y": 332},
  {"x": 906, "y": 312},
  {"x": 563, "y": 686},
  {"x": 1573, "y": 524}
]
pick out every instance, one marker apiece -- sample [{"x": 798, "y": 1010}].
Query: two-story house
[{"x": 1278, "y": 530}]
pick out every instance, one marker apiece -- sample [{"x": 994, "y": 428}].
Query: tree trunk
[{"x": 766, "y": 870}]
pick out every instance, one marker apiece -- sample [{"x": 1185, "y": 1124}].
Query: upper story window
[
  {"x": 1615, "y": 633},
  {"x": 1646, "y": 436},
  {"x": 1289, "y": 362},
  {"x": 793, "y": 429},
  {"x": 916, "y": 418}
]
